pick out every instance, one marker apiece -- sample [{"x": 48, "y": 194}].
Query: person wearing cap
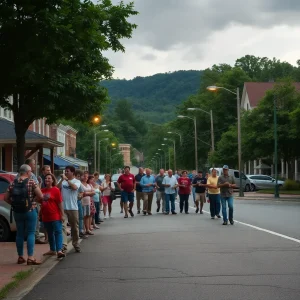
[
  {"x": 200, "y": 184},
  {"x": 226, "y": 185}
]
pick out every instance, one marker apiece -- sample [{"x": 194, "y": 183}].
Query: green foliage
[
  {"x": 53, "y": 63},
  {"x": 291, "y": 185},
  {"x": 154, "y": 98}
]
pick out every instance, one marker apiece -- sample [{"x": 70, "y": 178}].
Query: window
[
  {"x": 236, "y": 174},
  {"x": 3, "y": 185},
  {"x": 266, "y": 178}
]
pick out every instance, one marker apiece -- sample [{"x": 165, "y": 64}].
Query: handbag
[{"x": 112, "y": 194}]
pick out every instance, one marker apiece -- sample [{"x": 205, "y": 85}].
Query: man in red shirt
[
  {"x": 126, "y": 184},
  {"x": 184, "y": 184}
]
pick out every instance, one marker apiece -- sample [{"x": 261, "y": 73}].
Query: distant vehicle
[
  {"x": 101, "y": 177},
  {"x": 114, "y": 179},
  {"x": 246, "y": 184},
  {"x": 2, "y": 171},
  {"x": 6, "y": 228},
  {"x": 260, "y": 182}
]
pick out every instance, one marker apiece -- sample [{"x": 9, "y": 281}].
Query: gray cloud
[
  {"x": 166, "y": 24},
  {"x": 149, "y": 57}
]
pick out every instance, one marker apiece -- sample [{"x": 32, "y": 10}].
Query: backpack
[{"x": 20, "y": 201}]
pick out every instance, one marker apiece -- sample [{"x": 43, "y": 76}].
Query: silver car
[{"x": 261, "y": 182}]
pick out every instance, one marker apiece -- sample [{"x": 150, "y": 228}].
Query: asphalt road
[{"x": 183, "y": 257}]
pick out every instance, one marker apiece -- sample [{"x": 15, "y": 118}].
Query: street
[{"x": 184, "y": 257}]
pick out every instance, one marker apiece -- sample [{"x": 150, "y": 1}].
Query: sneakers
[
  {"x": 225, "y": 223},
  {"x": 121, "y": 211},
  {"x": 77, "y": 249},
  {"x": 166, "y": 213},
  {"x": 174, "y": 213},
  {"x": 219, "y": 217},
  {"x": 181, "y": 211},
  {"x": 158, "y": 208},
  {"x": 186, "y": 212},
  {"x": 138, "y": 212},
  {"x": 131, "y": 213},
  {"x": 231, "y": 222},
  {"x": 201, "y": 212},
  {"x": 149, "y": 214},
  {"x": 197, "y": 210}
]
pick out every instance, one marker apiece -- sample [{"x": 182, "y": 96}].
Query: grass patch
[
  {"x": 17, "y": 278},
  {"x": 283, "y": 192}
]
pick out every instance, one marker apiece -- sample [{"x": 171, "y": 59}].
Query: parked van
[{"x": 236, "y": 175}]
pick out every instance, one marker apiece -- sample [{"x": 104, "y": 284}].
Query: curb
[
  {"x": 38, "y": 273},
  {"x": 267, "y": 199}
]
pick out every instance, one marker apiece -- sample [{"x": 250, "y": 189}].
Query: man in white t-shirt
[{"x": 69, "y": 186}]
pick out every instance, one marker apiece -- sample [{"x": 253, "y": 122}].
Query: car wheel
[
  {"x": 247, "y": 188},
  {"x": 4, "y": 230},
  {"x": 252, "y": 188}
]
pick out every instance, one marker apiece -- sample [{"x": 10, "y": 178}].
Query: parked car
[
  {"x": 6, "y": 228},
  {"x": 260, "y": 182},
  {"x": 236, "y": 175},
  {"x": 114, "y": 179}
]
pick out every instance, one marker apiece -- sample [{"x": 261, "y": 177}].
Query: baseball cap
[{"x": 225, "y": 167}]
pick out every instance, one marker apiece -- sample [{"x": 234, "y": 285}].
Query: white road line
[{"x": 258, "y": 228}]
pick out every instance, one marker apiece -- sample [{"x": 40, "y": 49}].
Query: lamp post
[
  {"x": 164, "y": 156},
  {"x": 99, "y": 144},
  {"x": 196, "y": 146},
  {"x": 237, "y": 93},
  {"x": 160, "y": 159},
  {"x": 95, "y": 144},
  {"x": 166, "y": 139},
  {"x": 276, "y": 191},
  {"x": 169, "y": 155},
  {"x": 112, "y": 146},
  {"x": 180, "y": 136},
  {"x": 210, "y": 113}
]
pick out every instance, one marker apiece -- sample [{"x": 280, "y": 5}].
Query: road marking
[{"x": 257, "y": 228}]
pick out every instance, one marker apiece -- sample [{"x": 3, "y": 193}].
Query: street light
[
  {"x": 211, "y": 124},
  {"x": 164, "y": 155},
  {"x": 166, "y": 139},
  {"x": 196, "y": 146},
  {"x": 95, "y": 141},
  {"x": 169, "y": 155},
  {"x": 160, "y": 159},
  {"x": 99, "y": 144},
  {"x": 237, "y": 93},
  {"x": 180, "y": 136}
]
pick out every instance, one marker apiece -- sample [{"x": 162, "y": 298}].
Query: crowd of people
[{"x": 76, "y": 200}]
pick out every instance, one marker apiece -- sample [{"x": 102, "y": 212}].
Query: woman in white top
[
  {"x": 88, "y": 192},
  {"x": 106, "y": 187}
]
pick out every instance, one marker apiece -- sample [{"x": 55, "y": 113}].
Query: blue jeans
[
  {"x": 229, "y": 200},
  {"x": 215, "y": 204},
  {"x": 170, "y": 197},
  {"x": 26, "y": 224},
  {"x": 54, "y": 230},
  {"x": 194, "y": 193},
  {"x": 97, "y": 214},
  {"x": 80, "y": 216}
]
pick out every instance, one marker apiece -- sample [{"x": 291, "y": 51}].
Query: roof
[
  {"x": 8, "y": 135},
  {"x": 257, "y": 90},
  {"x": 75, "y": 160},
  {"x": 59, "y": 163}
]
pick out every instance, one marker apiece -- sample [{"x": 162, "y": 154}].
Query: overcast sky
[{"x": 195, "y": 34}]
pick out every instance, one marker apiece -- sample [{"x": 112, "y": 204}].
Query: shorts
[
  {"x": 125, "y": 196},
  {"x": 86, "y": 210},
  {"x": 106, "y": 200},
  {"x": 201, "y": 197}
]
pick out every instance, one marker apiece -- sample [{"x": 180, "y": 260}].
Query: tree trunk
[{"x": 20, "y": 142}]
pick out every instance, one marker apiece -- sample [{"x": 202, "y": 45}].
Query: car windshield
[{"x": 115, "y": 177}]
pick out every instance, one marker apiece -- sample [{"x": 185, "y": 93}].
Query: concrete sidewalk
[
  {"x": 9, "y": 257},
  {"x": 261, "y": 196}
]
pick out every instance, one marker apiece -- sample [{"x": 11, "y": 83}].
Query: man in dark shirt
[
  {"x": 160, "y": 192},
  {"x": 200, "y": 184},
  {"x": 226, "y": 185},
  {"x": 139, "y": 190}
]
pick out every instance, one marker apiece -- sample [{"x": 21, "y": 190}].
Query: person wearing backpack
[{"x": 23, "y": 195}]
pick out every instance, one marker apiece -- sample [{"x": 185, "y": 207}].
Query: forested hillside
[{"x": 154, "y": 98}]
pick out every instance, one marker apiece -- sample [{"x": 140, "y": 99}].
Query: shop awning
[
  {"x": 59, "y": 163},
  {"x": 76, "y": 161}
]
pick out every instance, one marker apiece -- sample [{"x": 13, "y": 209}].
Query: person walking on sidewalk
[
  {"x": 127, "y": 184},
  {"x": 226, "y": 184},
  {"x": 200, "y": 184},
  {"x": 78, "y": 175},
  {"x": 106, "y": 188},
  {"x": 214, "y": 194},
  {"x": 160, "y": 191},
  {"x": 139, "y": 190},
  {"x": 69, "y": 186},
  {"x": 53, "y": 216},
  {"x": 170, "y": 183},
  {"x": 148, "y": 187},
  {"x": 184, "y": 184},
  {"x": 22, "y": 195}
]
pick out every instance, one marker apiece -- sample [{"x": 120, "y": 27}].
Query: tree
[{"x": 51, "y": 58}]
